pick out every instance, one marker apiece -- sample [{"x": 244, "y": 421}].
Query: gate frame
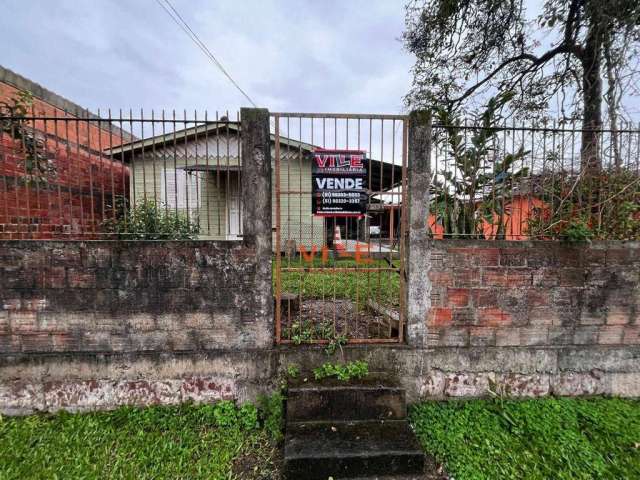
[{"x": 403, "y": 313}]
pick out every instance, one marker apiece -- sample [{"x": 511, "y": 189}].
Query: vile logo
[{"x": 332, "y": 160}]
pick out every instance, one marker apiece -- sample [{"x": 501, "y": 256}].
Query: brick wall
[
  {"x": 92, "y": 135},
  {"x": 73, "y": 203},
  {"x": 96, "y": 324},
  {"x": 77, "y": 198},
  {"x": 521, "y": 319},
  {"x": 503, "y": 294}
]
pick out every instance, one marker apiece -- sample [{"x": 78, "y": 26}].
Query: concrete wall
[{"x": 101, "y": 323}]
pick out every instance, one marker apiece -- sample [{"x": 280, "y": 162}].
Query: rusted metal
[{"x": 336, "y": 280}]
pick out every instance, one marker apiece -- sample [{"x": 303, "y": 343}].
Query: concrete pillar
[
  {"x": 418, "y": 260},
  {"x": 256, "y": 213}
]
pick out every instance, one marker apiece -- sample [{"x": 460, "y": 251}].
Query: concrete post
[
  {"x": 256, "y": 211},
  {"x": 418, "y": 261}
]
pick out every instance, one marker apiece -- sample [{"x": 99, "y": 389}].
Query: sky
[{"x": 288, "y": 55}]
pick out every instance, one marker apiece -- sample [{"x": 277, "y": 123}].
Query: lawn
[
  {"x": 177, "y": 442},
  {"x": 383, "y": 287},
  {"x": 479, "y": 439},
  {"x": 533, "y": 439}
]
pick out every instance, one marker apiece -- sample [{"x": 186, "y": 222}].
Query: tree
[{"x": 464, "y": 48}]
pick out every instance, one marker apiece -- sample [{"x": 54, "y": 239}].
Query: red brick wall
[
  {"x": 86, "y": 134},
  {"x": 534, "y": 294},
  {"x": 76, "y": 198}
]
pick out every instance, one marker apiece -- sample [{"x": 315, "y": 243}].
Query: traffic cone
[{"x": 337, "y": 239}]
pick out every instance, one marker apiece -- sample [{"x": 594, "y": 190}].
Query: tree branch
[{"x": 535, "y": 62}]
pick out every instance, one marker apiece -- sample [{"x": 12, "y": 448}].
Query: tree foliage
[{"x": 465, "y": 48}]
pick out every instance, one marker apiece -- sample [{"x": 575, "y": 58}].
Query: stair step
[
  {"x": 318, "y": 450},
  {"x": 373, "y": 398}
]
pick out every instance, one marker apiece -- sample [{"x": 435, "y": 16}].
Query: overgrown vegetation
[
  {"x": 151, "y": 220},
  {"x": 271, "y": 408},
  {"x": 560, "y": 439},
  {"x": 342, "y": 371},
  {"x": 476, "y": 181},
  {"x": 220, "y": 441},
  {"x": 479, "y": 190},
  {"x": 604, "y": 206},
  {"x": 306, "y": 331},
  {"x": 37, "y": 163}
]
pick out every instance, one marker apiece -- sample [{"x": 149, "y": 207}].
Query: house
[
  {"x": 74, "y": 192},
  {"x": 196, "y": 171}
]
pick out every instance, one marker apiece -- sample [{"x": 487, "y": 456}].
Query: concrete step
[
  {"x": 319, "y": 450},
  {"x": 375, "y": 398}
]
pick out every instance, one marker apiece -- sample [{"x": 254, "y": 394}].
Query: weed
[
  {"x": 293, "y": 370},
  {"x": 342, "y": 371},
  {"x": 271, "y": 410}
]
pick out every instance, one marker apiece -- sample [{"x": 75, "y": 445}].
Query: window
[{"x": 181, "y": 190}]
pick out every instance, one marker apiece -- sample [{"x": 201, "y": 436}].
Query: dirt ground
[{"x": 349, "y": 320}]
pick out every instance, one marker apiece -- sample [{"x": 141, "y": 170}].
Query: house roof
[{"x": 126, "y": 151}]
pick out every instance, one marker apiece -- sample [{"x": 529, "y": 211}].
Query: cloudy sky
[{"x": 288, "y": 55}]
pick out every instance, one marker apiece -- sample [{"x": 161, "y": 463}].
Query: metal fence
[
  {"x": 535, "y": 182},
  {"x": 168, "y": 175},
  {"x": 339, "y": 277},
  {"x": 131, "y": 176}
]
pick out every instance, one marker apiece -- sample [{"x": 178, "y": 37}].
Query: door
[{"x": 234, "y": 209}]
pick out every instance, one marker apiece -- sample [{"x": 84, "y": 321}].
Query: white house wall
[{"x": 297, "y": 222}]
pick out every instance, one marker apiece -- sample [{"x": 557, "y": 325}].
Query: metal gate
[{"x": 340, "y": 278}]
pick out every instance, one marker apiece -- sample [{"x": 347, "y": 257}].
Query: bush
[
  {"x": 150, "y": 220},
  {"x": 603, "y": 206}
]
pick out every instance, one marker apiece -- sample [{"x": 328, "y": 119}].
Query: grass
[
  {"x": 549, "y": 438},
  {"x": 381, "y": 286},
  {"x": 575, "y": 439},
  {"x": 178, "y": 442}
]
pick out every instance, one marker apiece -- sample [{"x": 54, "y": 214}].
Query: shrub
[{"x": 150, "y": 220}]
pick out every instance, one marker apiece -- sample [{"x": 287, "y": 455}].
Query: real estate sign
[{"x": 339, "y": 180}]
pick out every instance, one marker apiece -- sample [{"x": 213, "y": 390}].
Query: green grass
[
  {"x": 380, "y": 286},
  {"x": 533, "y": 439},
  {"x": 178, "y": 442}
]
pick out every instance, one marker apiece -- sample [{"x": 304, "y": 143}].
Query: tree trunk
[
  {"x": 613, "y": 95},
  {"x": 592, "y": 98}
]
